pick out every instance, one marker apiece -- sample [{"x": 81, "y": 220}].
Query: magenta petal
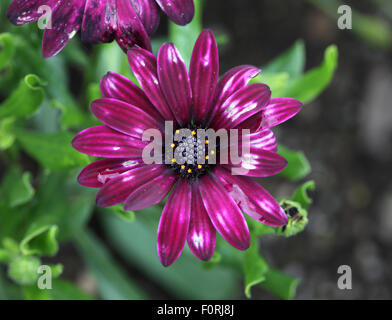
[
  {"x": 96, "y": 174},
  {"x": 279, "y": 110},
  {"x": 224, "y": 212},
  {"x": 99, "y": 21},
  {"x": 260, "y": 140},
  {"x": 151, "y": 192},
  {"x": 174, "y": 82},
  {"x": 201, "y": 235},
  {"x": 264, "y": 139},
  {"x": 174, "y": 223},
  {"x": 118, "y": 189},
  {"x": 242, "y": 105},
  {"x": 180, "y": 11},
  {"x": 124, "y": 117},
  {"x": 204, "y": 72},
  {"x": 66, "y": 21},
  {"x": 148, "y": 13},
  {"x": 130, "y": 29},
  {"x": 102, "y": 141},
  {"x": 232, "y": 81},
  {"x": 25, "y": 11},
  {"x": 114, "y": 85},
  {"x": 259, "y": 163},
  {"x": 144, "y": 66},
  {"x": 254, "y": 200}
]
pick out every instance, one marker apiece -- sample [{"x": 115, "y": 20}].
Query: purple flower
[
  {"x": 203, "y": 198},
  {"x": 129, "y": 22}
]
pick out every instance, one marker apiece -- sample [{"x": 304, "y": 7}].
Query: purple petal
[
  {"x": 201, "y": 235},
  {"x": 96, "y": 174},
  {"x": 204, "y": 72},
  {"x": 99, "y": 21},
  {"x": 130, "y": 29},
  {"x": 102, "y": 141},
  {"x": 242, "y": 105},
  {"x": 152, "y": 192},
  {"x": 264, "y": 139},
  {"x": 114, "y": 85},
  {"x": 180, "y": 11},
  {"x": 224, "y": 212},
  {"x": 118, "y": 189},
  {"x": 174, "y": 82},
  {"x": 66, "y": 21},
  {"x": 25, "y": 11},
  {"x": 232, "y": 81},
  {"x": 259, "y": 163},
  {"x": 279, "y": 110},
  {"x": 261, "y": 140},
  {"x": 148, "y": 13},
  {"x": 254, "y": 200},
  {"x": 124, "y": 117},
  {"x": 144, "y": 66},
  {"x": 174, "y": 223}
]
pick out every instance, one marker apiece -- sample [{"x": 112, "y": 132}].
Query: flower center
[{"x": 191, "y": 155}]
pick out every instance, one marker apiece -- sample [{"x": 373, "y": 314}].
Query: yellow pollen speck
[
  {"x": 189, "y": 170},
  {"x": 193, "y": 132},
  {"x": 212, "y": 152},
  {"x": 174, "y": 160},
  {"x": 182, "y": 167},
  {"x": 173, "y": 145},
  {"x": 207, "y": 157},
  {"x": 207, "y": 142},
  {"x": 199, "y": 166},
  {"x": 177, "y": 131}
]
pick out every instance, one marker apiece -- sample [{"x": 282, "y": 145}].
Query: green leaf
[
  {"x": 24, "y": 269},
  {"x": 61, "y": 290},
  {"x": 7, "y": 138},
  {"x": 292, "y": 61},
  {"x": 5, "y": 256},
  {"x": 21, "y": 191},
  {"x": 40, "y": 240},
  {"x": 185, "y": 37},
  {"x": 16, "y": 188},
  {"x": 113, "y": 282},
  {"x": 24, "y": 100},
  {"x": 255, "y": 267},
  {"x": 307, "y": 87},
  {"x": 280, "y": 284},
  {"x": 128, "y": 216},
  {"x": 276, "y": 81},
  {"x": 52, "y": 151},
  {"x": 71, "y": 115},
  {"x": 301, "y": 194},
  {"x": 7, "y": 49},
  {"x": 298, "y": 166}
]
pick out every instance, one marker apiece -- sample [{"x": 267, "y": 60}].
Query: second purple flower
[{"x": 129, "y": 22}]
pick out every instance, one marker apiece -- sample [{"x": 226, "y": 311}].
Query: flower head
[
  {"x": 129, "y": 22},
  {"x": 205, "y": 196}
]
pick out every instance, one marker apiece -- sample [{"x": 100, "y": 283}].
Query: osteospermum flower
[
  {"x": 129, "y": 22},
  {"x": 203, "y": 198}
]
